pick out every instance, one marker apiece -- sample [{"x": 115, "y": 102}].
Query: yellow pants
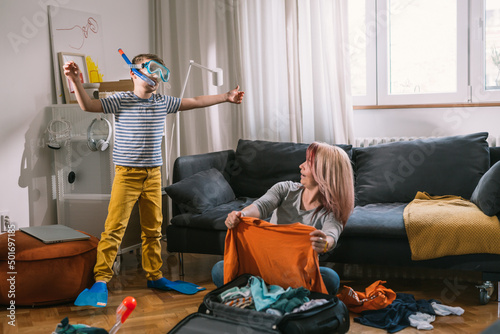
[{"x": 132, "y": 184}]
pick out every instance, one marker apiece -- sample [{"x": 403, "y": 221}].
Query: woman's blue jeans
[{"x": 330, "y": 277}]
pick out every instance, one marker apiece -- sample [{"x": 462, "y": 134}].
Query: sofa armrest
[{"x": 189, "y": 165}]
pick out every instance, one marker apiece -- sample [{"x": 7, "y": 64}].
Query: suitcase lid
[{"x": 205, "y": 324}]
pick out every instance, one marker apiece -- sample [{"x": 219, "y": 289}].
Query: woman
[{"x": 324, "y": 199}]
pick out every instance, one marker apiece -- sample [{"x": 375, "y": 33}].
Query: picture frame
[{"x": 68, "y": 88}]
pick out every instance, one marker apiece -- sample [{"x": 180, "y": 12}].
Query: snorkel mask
[{"x": 153, "y": 67}]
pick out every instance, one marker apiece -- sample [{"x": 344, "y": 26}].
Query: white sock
[
  {"x": 421, "y": 320},
  {"x": 441, "y": 309}
]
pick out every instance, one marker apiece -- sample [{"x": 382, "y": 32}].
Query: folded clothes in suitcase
[{"x": 216, "y": 317}]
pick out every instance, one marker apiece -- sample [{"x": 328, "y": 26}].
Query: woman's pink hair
[{"x": 332, "y": 170}]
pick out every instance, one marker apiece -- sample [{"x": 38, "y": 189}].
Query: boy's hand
[
  {"x": 235, "y": 96},
  {"x": 72, "y": 71}
]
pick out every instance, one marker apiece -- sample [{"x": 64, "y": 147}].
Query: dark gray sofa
[{"x": 387, "y": 176}]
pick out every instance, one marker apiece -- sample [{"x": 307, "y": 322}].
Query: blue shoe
[
  {"x": 180, "y": 286},
  {"x": 97, "y": 296}
]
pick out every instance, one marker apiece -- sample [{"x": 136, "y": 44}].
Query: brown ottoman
[{"x": 44, "y": 274}]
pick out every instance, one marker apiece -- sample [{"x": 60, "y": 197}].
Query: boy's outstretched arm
[
  {"x": 233, "y": 96},
  {"x": 72, "y": 72}
]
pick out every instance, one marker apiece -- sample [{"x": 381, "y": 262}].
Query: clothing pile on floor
[
  {"x": 383, "y": 308},
  {"x": 272, "y": 299},
  {"x": 64, "y": 327}
]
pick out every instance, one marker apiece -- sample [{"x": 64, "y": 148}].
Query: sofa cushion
[
  {"x": 200, "y": 192},
  {"x": 212, "y": 219},
  {"x": 394, "y": 172},
  {"x": 261, "y": 164},
  {"x": 487, "y": 193},
  {"x": 378, "y": 220}
]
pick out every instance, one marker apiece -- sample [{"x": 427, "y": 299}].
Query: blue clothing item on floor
[
  {"x": 180, "y": 286},
  {"x": 97, "y": 296},
  {"x": 65, "y": 328},
  {"x": 394, "y": 317}
]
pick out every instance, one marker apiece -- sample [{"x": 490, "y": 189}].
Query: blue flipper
[
  {"x": 180, "y": 286},
  {"x": 97, "y": 296}
]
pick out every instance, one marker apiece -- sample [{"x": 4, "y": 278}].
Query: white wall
[
  {"x": 426, "y": 122},
  {"x": 27, "y": 89}
]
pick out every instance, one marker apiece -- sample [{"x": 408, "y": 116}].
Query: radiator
[
  {"x": 493, "y": 140},
  {"x": 370, "y": 141}
]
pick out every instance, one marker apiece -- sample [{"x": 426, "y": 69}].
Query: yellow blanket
[{"x": 449, "y": 225}]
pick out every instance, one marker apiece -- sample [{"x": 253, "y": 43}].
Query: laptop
[{"x": 51, "y": 234}]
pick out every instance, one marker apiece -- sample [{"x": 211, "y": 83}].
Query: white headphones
[
  {"x": 59, "y": 131},
  {"x": 99, "y": 144}
]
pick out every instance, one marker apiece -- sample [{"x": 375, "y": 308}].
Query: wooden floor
[{"x": 158, "y": 312}]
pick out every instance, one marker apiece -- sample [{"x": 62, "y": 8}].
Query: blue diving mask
[{"x": 154, "y": 68}]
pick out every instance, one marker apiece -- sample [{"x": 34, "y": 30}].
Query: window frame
[
  {"x": 470, "y": 62},
  {"x": 479, "y": 93},
  {"x": 371, "y": 60},
  {"x": 385, "y": 98}
]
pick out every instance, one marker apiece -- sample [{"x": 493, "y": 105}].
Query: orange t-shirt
[
  {"x": 280, "y": 254},
  {"x": 375, "y": 297}
]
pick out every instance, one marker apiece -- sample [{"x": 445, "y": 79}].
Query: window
[
  {"x": 485, "y": 51},
  {"x": 362, "y": 49},
  {"x": 422, "y": 48},
  {"x": 492, "y": 45}
]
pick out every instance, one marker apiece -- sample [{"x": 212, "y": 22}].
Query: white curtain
[
  {"x": 325, "y": 83},
  {"x": 289, "y": 56},
  {"x": 202, "y": 31},
  {"x": 295, "y": 67},
  {"x": 262, "y": 33}
]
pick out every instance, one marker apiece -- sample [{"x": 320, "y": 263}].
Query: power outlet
[{"x": 4, "y": 220}]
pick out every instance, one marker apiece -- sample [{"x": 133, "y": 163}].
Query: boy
[{"x": 139, "y": 120}]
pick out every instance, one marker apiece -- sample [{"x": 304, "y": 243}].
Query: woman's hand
[
  {"x": 320, "y": 242},
  {"x": 233, "y": 219}
]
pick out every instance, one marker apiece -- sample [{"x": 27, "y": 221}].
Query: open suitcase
[{"x": 216, "y": 317}]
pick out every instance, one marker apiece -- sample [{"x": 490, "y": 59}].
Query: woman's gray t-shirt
[{"x": 283, "y": 201}]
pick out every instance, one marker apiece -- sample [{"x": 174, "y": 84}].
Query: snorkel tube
[{"x": 136, "y": 71}]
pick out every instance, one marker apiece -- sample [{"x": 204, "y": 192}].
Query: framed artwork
[
  {"x": 79, "y": 32},
  {"x": 68, "y": 87}
]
